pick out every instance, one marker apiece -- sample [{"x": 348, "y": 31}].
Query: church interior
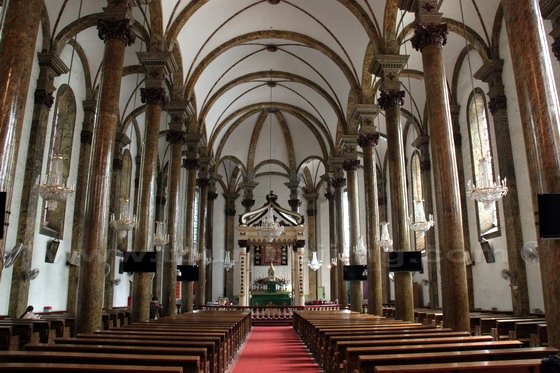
[{"x": 339, "y": 170}]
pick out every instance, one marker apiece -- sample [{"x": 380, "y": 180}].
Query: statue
[{"x": 271, "y": 272}]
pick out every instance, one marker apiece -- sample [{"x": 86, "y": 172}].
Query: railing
[{"x": 274, "y": 312}]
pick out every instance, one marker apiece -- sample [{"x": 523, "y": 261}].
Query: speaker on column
[{"x": 549, "y": 216}]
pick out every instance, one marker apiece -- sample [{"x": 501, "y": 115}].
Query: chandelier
[
  {"x": 55, "y": 189},
  {"x": 488, "y": 191},
  {"x": 269, "y": 228},
  {"x": 228, "y": 262},
  {"x": 334, "y": 262},
  {"x": 315, "y": 264},
  {"x": 360, "y": 249},
  {"x": 160, "y": 239},
  {"x": 126, "y": 220},
  {"x": 344, "y": 256},
  {"x": 385, "y": 242},
  {"x": 420, "y": 225}
]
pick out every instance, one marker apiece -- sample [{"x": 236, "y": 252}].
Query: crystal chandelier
[
  {"x": 126, "y": 220},
  {"x": 269, "y": 228},
  {"x": 360, "y": 249},
  {"x": 160, "y": 239},
  {"x": 55, "y": 189},
  {"x": 420, "y": 225},
  {"x": 315, "y": 264},
  {"x": 228, "y": 262},
  {"x": 488, "y": 191},
  {"x": 345, "y": 255},
  {"x": 385, "y": 242},
  {"x": 334, "y": 262}
]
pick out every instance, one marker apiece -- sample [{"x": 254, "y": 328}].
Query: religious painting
[{"x": 265, "y": 254}]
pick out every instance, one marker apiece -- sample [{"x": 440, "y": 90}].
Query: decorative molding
[
  {"x": 116, "y": 29},
  {"x": 368, "y": 140},
  {"x": 44, "y": 98},
  {"x": 430, "y": 34},
  {"x": 153, "y": 96},
  {"x": 388, "y": 99},
  {"x": 497, "y": 103},
  {"x": 294, "y": 203},
  {"x": 212, "y": 196},
  {"x": 351, "y": 165},
  {"x": 247, "y": 202}
]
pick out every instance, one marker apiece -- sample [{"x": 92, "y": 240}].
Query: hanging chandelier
[
  {"x": 160, "y": 239},
  {"x": 228, "y": 262},
  {"x": 315, "y": 264},
  {"x": 487, "y": 191},
  {"x": 126, "y": 220},
  {"x": 385, "y": 242},
  {"x": 55, "y": 189},
  {"x": 344, "y": 256},
  {"x": 269, "y": 228},
  {"x": 360, "y": 249},
  {"x": 420, "y": 224},
  {"x": 334, "y": 262}
]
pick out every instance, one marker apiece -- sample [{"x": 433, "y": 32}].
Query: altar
[{"x": 271, "y": 294}]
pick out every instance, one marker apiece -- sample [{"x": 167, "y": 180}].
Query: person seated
[
  {"x": 28, "y": 314},
  {"x": 155, "y": 308}
]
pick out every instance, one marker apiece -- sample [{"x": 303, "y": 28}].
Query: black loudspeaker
[
  {"x": 549, "y": 216},
  {"x": 187, "y": 273},
  {"x": 488, "y": 252},
  {"x": 3, "y": 197},
  {"x": 354, "y": 273},
  {"x": 52, "y": 249},
  {"x": 139, "y": 261},
  {"x": 405, "y": 261}
]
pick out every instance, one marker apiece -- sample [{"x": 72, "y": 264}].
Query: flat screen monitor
[
  {"x": 405, "y": 261},
  {"x": 139, "y": 261},
  {"x": 187, "y": 273},
  {"x": 549, "y": 216},
  {"x": 354, "y": 272}
]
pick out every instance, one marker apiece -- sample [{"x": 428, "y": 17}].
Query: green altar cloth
[{"x": 265, "y": 298}]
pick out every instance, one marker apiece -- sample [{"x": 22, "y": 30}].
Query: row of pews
[
  {"x": 203, "y": 341},
  {"x": 344, "y": 341}
]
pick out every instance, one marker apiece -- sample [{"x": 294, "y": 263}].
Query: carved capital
[
  {"x": 175, "y": 137},
  {"x": 116, "y": 29},
  {"x": 247, "y": 203},
  {"x": 368, "y": 140},
  {"x": 202, "y": 182},
  {"x": 86, "y": 137},
  {"x": 389, "y": 99},
  {"x": 351, "y": 165},
  {"x": 429, "y": 35},
  {"x": 339, "y": 183},
  {"x": 497, "y": 103},
  {"x": 294, "y": 203},
  {"x": 153, "y": 96},
  {"x": 212, "y": 196},
  {"x": 242, "y": 243},
  {"x": 190, "y": 163},
  {"x": 329, "y": 196},
  {"x": 43, "y": 97}
]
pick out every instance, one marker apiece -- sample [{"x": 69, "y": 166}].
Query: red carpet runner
[{"x": 274, "y": 349}]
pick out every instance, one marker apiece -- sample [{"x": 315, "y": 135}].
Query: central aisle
[{"x": 274, "y": 349}]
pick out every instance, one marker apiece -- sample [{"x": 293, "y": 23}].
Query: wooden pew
[
  {"x": 498, "y": 366},
  {"x": 504, "y": 326},
  {"x": 541, "y": 338},
  {"x": 189, "y": 364},
  {"x": 367, "y": 363},
  {"x": 24, "y": 330},
  {"x": 7, "y": 340},
  {"x": 522, "y": 331},
  {"x": 85, "y": 368}
]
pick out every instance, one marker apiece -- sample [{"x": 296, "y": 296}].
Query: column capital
[
  {"x": 212, "y": 195},
  {"x": 497, "y": 103},
  {"x": 294, "y": 203},
  {"x": 202, "y": 182},
  {"x": 116, "y": 29},
  {"x": 389, "y": 99},
  {"x": 365, "y": 114},
  {"x": 247, "y": 202},
  {"x": 351, "y": 165},
  {"x": 153, "y": 96},
  {"x": 339, "y": 182},
  {"x": 51, "y": 66},
  {"x": 177, "y": 110},
  {"x": 388, "y": 67},
  {"x": 44, "y": 98},
  {"x": 489, "y": 69},
  {"x": 368, "y": 140},
  {"x": 430, "y": 34},
  {"x": 175, "y": 137},
  {"x": 329, "y": 195},
  {"x": 190, "y": 164}
]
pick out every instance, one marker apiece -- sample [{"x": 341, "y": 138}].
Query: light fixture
[
  {"x": 269, "y": 228},
  {"x": 360, "y": 249},
  {"x": 126, "y": 220},
  {"x": 228, "y": 262},
  {"x": 315, "y": 264},
  {"x": 385, "y": 242},
  {"x": 160, "y": 239},
  {"x": 55, "y": 189},
  {"x": 420, "y": 225},
  {"x": 486, "y": 191},
  {"x": 334, "y": 262},
  {"x": 345, "y": 255}
]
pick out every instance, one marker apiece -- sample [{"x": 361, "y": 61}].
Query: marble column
[
  {"x": 491, "y": 72},
  {"x": 329, "y": 195},
  {"x": 422, "y": 143},
  {"x": 114, "y": 28},
  {"x": 429, "y": 38},
  {"x": 212, "y": 195},
  {"x": 86, "y": 137},
  {"x": 243, "y": 273},
  {"x": 299, "y": 284},
  {"x": 202, "y": 182},
  {"x": 248, "y": 184},
  {"x": 550, "y": 9},
  {"x": 50, "y": 66},
  {"x": 311, "y": 199},
  {"x": 175, "y": 136},
  {"x": 187, "y": 286},
  {"x": 339, "y": 183},
  {"x": 538, "y": 106},
  {"x": 367, "y": 140},
  {"x": 231, "y": 198},
  {"x": 17, "y": 52},
  {"x": 356, "y": 287}
]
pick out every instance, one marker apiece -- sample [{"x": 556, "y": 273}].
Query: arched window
[
  {"x": 487, "y": 218},
  {"x": 61, "y": 140},
  {"x": 417, "y": 194}
]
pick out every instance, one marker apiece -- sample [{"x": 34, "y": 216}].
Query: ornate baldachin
[
  {"x": 368, "y": 140},
  {"x": 388, "y": 99},
  {"x": 116, "y": 29},
  {"x": 153, "y": 96},
  {"x": 429, "y": 35},
  {"x": 351, "y": 165}
]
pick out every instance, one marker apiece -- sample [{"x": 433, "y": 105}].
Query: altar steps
[{"x": 271, "y": 322}]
